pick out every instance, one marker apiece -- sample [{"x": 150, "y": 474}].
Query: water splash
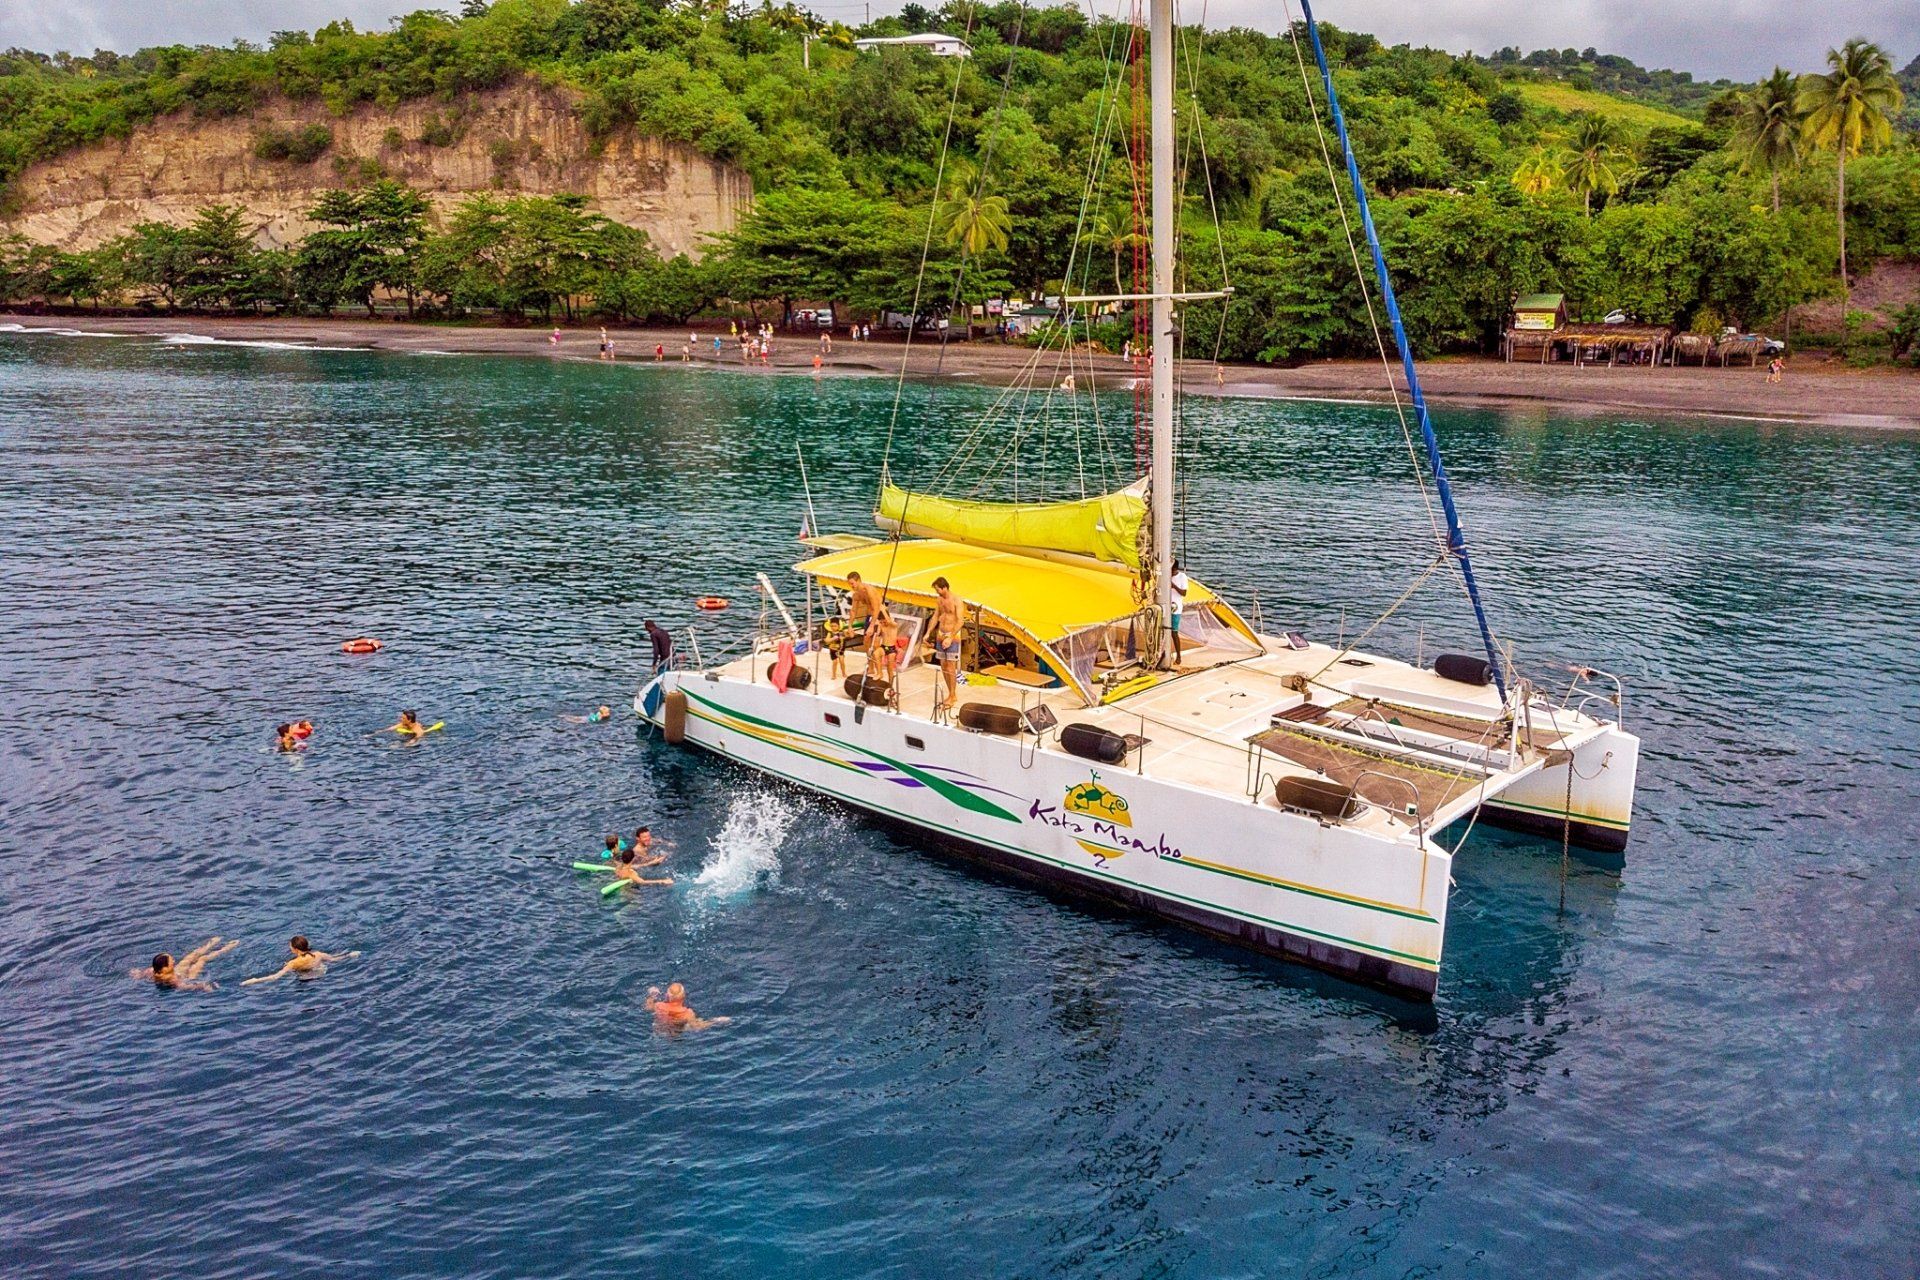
[{"x": 745, "y": 852}]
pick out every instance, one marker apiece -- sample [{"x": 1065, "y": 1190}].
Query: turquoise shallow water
[{"x": 1706, "y": 1064}]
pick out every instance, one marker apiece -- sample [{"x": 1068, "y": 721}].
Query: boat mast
[{"x": 1160, "y": 473}]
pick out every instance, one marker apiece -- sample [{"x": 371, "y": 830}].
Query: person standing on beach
[
  {"x": 826, "y": 342},
  {"x": 553, "y": 339},
  {"x": 606, "y": 345},
  {"x": 1775, "y": 367}
]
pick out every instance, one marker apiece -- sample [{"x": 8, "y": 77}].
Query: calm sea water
[{"x": 1703, "y": 1064}]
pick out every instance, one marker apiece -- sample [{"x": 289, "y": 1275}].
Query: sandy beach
[{"x": 1817, "y": 392}]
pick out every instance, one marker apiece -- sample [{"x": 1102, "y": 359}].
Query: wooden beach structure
[{"x": 1539, "y": 329}]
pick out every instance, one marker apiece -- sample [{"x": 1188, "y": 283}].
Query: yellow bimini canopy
[{"x": 1041, "y": 601}]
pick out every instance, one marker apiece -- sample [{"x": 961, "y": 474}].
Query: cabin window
[{"x": 916, "y": 743}]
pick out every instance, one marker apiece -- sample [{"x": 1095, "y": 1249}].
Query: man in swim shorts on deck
[
  {"x": 946, "y": 640},
  {"x": 185, "y": 975},
  {"x": 306, "y": 962},
  {"x": 671, "y": 1012}
]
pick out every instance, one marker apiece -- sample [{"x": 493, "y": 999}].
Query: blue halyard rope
[{"x": 1456, "y": 537}]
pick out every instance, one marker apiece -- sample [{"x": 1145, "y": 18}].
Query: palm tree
[
  {"x": 1597, "y": 160},
  {"x": 1537, "y": 173},
  {"x": 969, "y": 219},
  {"x": 1766, "y": 130},
  {"x": 1850, "y": 109}
]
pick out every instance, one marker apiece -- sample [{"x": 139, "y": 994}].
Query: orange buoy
[
  {"x": 303, "y": 729},
  {"x": 365, "y": 644},
  {"x": 710, "y": 603}
]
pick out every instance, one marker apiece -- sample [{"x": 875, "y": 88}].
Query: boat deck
[{"x": 1419, "y": 749}]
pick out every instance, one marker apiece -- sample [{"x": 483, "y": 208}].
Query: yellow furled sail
[{"x": 1107, "y": 528}]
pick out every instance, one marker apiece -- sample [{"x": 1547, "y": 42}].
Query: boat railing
[
  {"x": 1412, "y": 810},
  {"x": 1588, "y": 695}
]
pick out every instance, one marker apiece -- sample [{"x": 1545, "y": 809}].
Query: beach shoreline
[{"x": 1825, "y": 393}]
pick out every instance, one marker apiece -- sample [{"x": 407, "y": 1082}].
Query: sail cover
[{"x": 1108, "y": 527}]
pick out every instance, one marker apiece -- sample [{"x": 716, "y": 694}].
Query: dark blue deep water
[{"x": 1705, "y": 1064}]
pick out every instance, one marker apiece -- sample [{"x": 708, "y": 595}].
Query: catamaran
[{"x": 1123, "y": 732}]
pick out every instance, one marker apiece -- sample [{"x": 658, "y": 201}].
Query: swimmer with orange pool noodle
[
  {"x": 306, "y": 962},
  {"x": 184, "y": 975},
  {"x": 288, "y": 739},
  {"x": 671, "y": 1013}
]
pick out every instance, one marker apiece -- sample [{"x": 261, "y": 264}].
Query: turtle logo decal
[{"x": 1104, "y": 807}]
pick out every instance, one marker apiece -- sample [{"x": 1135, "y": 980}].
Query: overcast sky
[{"x": 1741, "y": 39}]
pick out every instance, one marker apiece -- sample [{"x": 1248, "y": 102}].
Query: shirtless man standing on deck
[{"x": 946, "y": 640}]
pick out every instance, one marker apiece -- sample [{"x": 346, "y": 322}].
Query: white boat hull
[{"x": 1368, "y": 908}]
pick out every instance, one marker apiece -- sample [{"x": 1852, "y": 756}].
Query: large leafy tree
[
  {"x": 369, "y": 239},
  {"x": 807, "y": 245},
  {"x": 1849, "y": 109},
  {"x": 217, "y": 253},
  {"x": 1766, "y": 128}
]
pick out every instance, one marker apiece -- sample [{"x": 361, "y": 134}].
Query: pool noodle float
[
  {"x": 615, "y": 885},
  {"x": 590, "y": 866}
]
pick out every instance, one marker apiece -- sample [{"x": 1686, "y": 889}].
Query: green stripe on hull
[
  {"x": 1406, "y": 957},
  {"x": 1555, "y": 813}
]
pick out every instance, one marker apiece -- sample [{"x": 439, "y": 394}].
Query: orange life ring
[
  {"x": 710, "y": 602},
  {"x": 365, "y": 644}
]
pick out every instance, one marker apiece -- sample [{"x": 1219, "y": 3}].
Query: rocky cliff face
[{"x": 523, "y": 138}]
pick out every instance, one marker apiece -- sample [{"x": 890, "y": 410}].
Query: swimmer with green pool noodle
[{"x": 625, "y": 873}]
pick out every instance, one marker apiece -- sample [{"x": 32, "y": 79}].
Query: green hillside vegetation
[
  {"x": 1491, "y": 176},
  {"x": 1567, "y": 100}
]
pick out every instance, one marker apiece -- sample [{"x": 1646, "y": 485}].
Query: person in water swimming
[
  {"x": 184, "y": 975},
  {"x": 624, "y": 869},
  {"x": 614, "y": 847},
  {"x": 305, "y": 961},
  {"x": 409, "y": 725},
  {"x": 642, "y": 846},
  {"x": 598, "y": 714},
  {"x": 672, "y": 1013},
  {"x": 288, "y": 739}
]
